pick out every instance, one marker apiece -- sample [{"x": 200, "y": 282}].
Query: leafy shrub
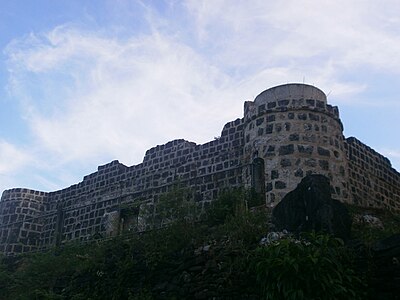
[
  {"x": 234, "y": 266},
  {"x": 370, "y": 233},
  {"x": 175, "y": 206},
  {"x": 5, "y": 277},
  {"x": 231, "y": 203},
  {"x": 317, "y": 267}
]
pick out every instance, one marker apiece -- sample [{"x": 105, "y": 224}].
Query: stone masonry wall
[
  {"x": 372, "y": 180},
  {"x": 287, "y": 132},
  {"x": 293, "y": 129},
  {"x": 92, "y": 207},
  {"x": 19, "y": 220}
]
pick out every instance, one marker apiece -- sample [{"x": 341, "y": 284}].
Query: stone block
[
  {"x": 285, "y": 162},
  {"x": 286, "y": 150},
  {"x": 269, "y": 128},
  {"x": 323, "y": 152},
  {"x": 294, "y": 137},
  {"x": 270, "y": 118},
  {"x": 302, "y": 116},
  {"x": 306, "y": 149},
  {"x": 279, "y": 185}
]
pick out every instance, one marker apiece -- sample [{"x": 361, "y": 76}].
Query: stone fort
[{"x": 286, "y": 133}]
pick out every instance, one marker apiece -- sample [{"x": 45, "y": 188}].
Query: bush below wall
[{"x": 219, "y": 257}]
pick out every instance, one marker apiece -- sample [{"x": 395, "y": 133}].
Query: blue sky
[{"x": 86, "y": 82}]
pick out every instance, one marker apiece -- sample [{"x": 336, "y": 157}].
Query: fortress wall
[
  {"x": 372, "y": 180},
  {"x": 296, "y": 136},
  {"x": 287, "y": 132},
  {"x": 20, "y": 224},
  {"x": 67, "y": 209},
  {"x": 92, "y": 207}
]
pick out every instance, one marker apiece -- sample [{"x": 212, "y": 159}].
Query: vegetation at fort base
[{"x": 218, "y": 255}]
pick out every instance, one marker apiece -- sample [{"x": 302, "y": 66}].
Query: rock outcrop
[{"x": 310, "y": 207}]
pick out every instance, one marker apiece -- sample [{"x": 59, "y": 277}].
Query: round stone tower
[
  {"x": 290, "y": 131},
  {"x": 20, "y": 221}
]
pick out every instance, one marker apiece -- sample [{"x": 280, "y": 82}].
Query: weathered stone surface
[
  {"x": 270, "y": 118},
  {"x": 285, "y": 162},
  {"x": 313, "y": 117},
  {"x": 379, "y": 186},
  {"x": 324, "y": 165},
  {"x": 323, "y": 151},
  {"x": 311, "y": 162},
  {"x": 280, "y": 185},
  {"x": 305, "y": 149},
  {"x": 310, "y": 207},
  {"x": 302, "y": 116},
  {"x": 286, "y": 150},
  {"x": 291, "y": 123},
  {"x": 299, "y": 173},
  {"x": 274, "y": 174},
  {"x": 269, "y": 128},
  {"x": 283, "y": 102}
]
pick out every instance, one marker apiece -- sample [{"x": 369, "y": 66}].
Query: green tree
[{"x": 317, "y": 267}]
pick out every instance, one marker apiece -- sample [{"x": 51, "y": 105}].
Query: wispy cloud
[
  {"x": 12, "y": 158},
  {"x": 122, "y": 96},
  {"x": 12, "y": 161},
  {"x": 326, "y": 42},
  {"x": 92, "y": 96},
  {"x": 348, "y": 32}
]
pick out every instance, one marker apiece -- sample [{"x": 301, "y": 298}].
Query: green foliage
[
  {"x": 172, "y": 259},
  {"x": 370, "y": 233},
  {"x": 223, "y": 207},
  {"x": 231, "y": 203},
  {"x": 245, "y": 227},
  {"x": 5, "y": 277},
  {"x": 317, "y": 267},
  {"x": 142, "y": 295},
  {"x": 254, "y": 199},
  {"x": 128, "y": 210},
  {"x": 176, "y": 206},
  {"x": 44, "y": 275}
]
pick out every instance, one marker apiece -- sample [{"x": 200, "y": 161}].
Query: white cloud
[
  {"x": 12, "y": 161},
  {"x": 11, "y": 158},
  {"x": 306, "y": 34},
  {"x": 90, "y": 97},
  {"x": 124, "y": 96}
]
